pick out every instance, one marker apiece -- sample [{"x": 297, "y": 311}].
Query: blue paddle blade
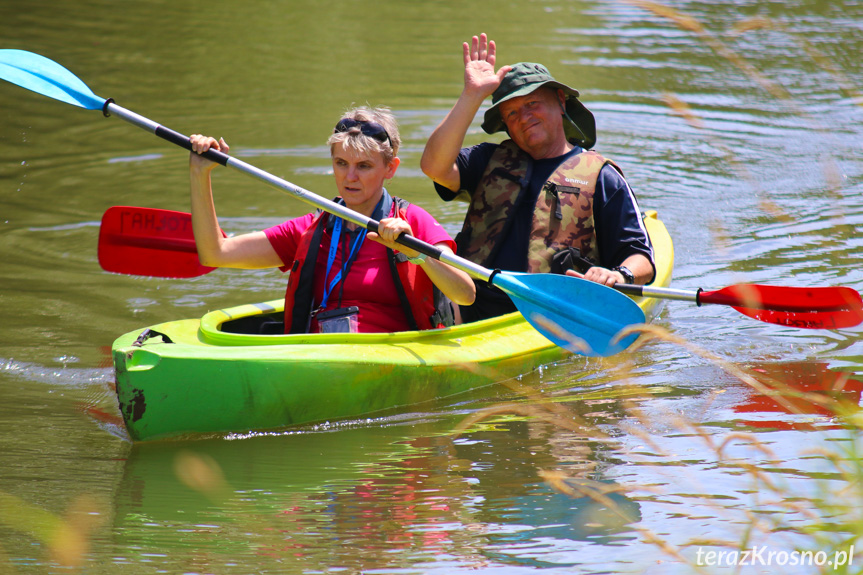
[
  {"x": 579, "y": 315},
  {"x": 46, "y": 77}
]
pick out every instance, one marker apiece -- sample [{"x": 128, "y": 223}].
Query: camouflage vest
[{"x": 562, "y": 216}]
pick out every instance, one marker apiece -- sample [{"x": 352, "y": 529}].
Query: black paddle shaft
[
  {"x": 185, "y": 142},
  {"x": 165, "y": 133}
]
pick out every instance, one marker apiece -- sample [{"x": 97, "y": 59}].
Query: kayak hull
[
  {"x": 194, "y": 376},
  {"x": 170, "y": 389}
]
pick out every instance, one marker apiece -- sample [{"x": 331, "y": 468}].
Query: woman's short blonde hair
[{"x": 354, "y": 138}]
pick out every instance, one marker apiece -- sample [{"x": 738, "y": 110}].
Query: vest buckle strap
[{"x": 551, "y": 190}]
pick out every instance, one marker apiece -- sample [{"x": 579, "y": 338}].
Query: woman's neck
[{"x": 367, "y": 208}]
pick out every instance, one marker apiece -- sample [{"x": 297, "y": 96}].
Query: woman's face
[{"x": 360, "y": 176}]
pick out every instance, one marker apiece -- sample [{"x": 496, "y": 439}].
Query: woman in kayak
[{"x": 340, "y": 282}]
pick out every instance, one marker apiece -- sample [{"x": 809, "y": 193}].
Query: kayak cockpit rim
[{"x": 212, "y": 329}]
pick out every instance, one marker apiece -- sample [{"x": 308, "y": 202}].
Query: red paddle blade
[
  {"x": 810, "y": 320},
  {"x": 813, "y": 308},
  {"x": 149, "y": 242}
]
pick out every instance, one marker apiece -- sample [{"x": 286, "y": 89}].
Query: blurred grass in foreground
[{"x": 825, "y": 520}]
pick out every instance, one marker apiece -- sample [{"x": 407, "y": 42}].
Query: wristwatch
[
  {"x": 420, "y": 258},
  {"x": 627, "y": 275}
]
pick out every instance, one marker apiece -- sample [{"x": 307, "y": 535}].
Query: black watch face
[{"x": 627, "y": 275}]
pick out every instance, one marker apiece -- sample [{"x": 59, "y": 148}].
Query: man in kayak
[
  {"x": 539, "y": 200},
  {"x": 339, "y": 282}
]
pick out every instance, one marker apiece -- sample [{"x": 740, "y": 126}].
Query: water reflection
[
  {"x": 381, "y": 497},
  {"x": 805, "y": 389}
]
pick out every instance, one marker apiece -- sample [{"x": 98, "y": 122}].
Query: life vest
[
  {"x": 417, "y": 293},
  {"x": 562, "y": 215}
]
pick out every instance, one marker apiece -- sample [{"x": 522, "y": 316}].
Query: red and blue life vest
[{"x": 417, "y": 293}]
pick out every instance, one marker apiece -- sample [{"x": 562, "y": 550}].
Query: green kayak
[{"x": 217, "y": 374}]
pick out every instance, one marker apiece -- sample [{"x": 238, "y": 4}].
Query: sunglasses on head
[{"x": 371, "y": 129}]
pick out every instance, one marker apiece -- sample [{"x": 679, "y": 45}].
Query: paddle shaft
[
  {"x": 537, "y": 296},
  {"x": 576, "y": 318},
  {"x": 784, "y": 312},
  {"x": 663, "y": 293},
  {"x": 472, "y": 269},
  {"x": 799, "y": 307},
  {"x": 700, "y": 297}
]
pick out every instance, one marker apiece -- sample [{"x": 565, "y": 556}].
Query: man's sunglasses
[{"x": 370, "y": 129}]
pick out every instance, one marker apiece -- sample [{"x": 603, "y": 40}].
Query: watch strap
[
  {"x": 419, "y": 259},
  {"x": 628, "y": 276}
]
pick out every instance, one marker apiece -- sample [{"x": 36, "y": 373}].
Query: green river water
[{"x": 745, "y": 139}]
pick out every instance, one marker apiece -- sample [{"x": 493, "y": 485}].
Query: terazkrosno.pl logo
[{"x": 762, "y": 555}]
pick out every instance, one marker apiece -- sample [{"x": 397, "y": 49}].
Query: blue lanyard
[{"x": 334, "y": 246}]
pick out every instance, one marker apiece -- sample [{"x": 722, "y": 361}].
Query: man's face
[{"x": 535, "y": 122}]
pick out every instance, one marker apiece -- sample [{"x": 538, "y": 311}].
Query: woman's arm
[
  {"x": 455, "y": 284},
  {"x": 247, "y": 251}
]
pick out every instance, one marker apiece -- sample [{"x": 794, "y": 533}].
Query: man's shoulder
[
  {"x": 609, "y": 173},
  {"x": 477, "y": 158},
  {"x": 480, "y": 152},
  {"x": 471, "y": 163}
]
